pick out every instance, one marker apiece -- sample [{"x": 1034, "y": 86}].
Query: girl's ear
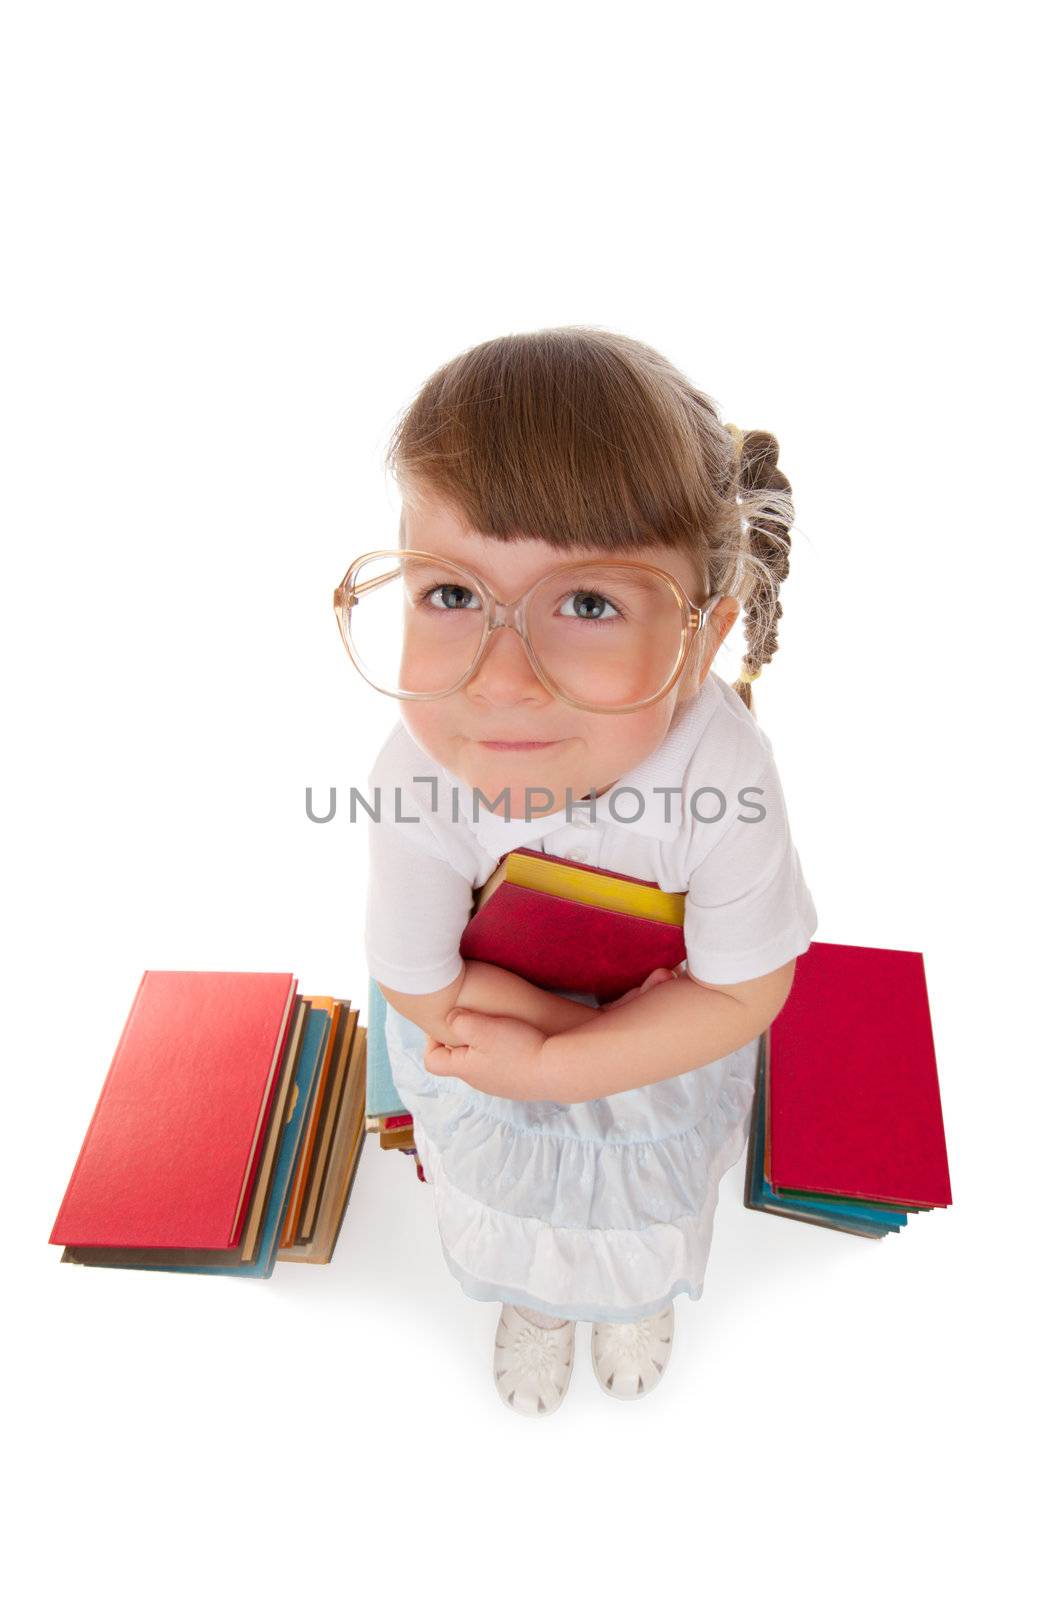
[
  {"x": 709, "y": 640},
  {"x": 719, "y": 625}
]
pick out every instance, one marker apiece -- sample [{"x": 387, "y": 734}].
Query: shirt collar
[{"x": 662, "y": 816}]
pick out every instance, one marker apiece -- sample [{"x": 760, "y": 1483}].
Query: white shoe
[
  {"x": 629, "y": 1358},
  {"x": 533, "y": 1365}
]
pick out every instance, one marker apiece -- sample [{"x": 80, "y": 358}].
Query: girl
[{"x": 579, "y": 531}]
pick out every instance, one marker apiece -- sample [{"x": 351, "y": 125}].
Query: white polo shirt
[{"x": 704, "y": 813}]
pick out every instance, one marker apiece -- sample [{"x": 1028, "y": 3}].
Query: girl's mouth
[{"x": 517, "y": 744}]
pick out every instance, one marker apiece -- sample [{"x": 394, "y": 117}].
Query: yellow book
[{"x": 588, "y": 885}]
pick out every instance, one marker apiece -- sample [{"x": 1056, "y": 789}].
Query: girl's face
[{"x": 505, "y": 701}]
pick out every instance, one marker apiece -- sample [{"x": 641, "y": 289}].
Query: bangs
[{"x": 576, "y": 436}]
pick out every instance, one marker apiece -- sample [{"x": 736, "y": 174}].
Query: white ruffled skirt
[{"x": 599, "y": 1212}]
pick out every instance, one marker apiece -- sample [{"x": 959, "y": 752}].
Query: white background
[{"x": 238, "y": 237}]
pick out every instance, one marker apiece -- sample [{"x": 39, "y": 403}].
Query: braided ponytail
[{"x": 767, "y": 513}]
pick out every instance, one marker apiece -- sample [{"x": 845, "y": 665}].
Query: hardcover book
[
  {"x": 171, "y": 1152},
  {"x": 578, "y": 929},
  {"x": 847, "y": 1128}
]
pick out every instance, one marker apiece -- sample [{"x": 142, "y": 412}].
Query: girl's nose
[{"x": 505, "y": 674}]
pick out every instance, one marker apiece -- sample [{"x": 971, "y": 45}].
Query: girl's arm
[
  {"x": 668, "y": 1031},
  {"x": 483, "y": 987}
]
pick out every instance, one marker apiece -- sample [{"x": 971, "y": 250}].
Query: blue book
[{"x": 381, "y": 1095}]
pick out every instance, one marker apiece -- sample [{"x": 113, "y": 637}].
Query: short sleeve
[
  {"x": 748, "y": 909},
  {"x": 417, "y": 907}
]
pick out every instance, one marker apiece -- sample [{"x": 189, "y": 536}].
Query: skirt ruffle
[{"x": 601, "y": 1211}]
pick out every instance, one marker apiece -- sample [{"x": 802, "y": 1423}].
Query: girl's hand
[
  {"x": 658, "y": 975},
  {"x": 500, "y": 1055}
]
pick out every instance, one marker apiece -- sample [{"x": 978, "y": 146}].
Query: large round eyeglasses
[{"x": 608, "y": 635}]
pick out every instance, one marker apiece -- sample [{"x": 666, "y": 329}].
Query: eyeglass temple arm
[
  {"x": 699, "y": 615},
  {"x": 366, "y": 586}
]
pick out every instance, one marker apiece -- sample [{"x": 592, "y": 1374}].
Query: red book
[
  {"x": 561, "y": 943},
  {"x": 854, "y": 1107},
  {"x": 174, "y": 1142}
]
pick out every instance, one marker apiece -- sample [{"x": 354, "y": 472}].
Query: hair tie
[{"x": 748, "y": 677}]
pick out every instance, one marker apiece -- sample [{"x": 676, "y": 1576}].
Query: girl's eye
[
  {"x": 589, "y": 605},
  {"x": 452, "y": 597}
]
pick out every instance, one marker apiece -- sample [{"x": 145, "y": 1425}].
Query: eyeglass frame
[{"x": 500, "y": 614}]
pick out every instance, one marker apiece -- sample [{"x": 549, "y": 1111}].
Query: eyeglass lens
[{"x": 605, "y": 635}]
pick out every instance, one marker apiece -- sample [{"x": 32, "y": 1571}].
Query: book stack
[
  {"x": 578, "y": 929},
  {"x": 847, "y": 1130},
  {"x": 227, "y": 1133}
]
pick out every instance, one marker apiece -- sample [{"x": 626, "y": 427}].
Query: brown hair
[{"x": 584, "y": 437}]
